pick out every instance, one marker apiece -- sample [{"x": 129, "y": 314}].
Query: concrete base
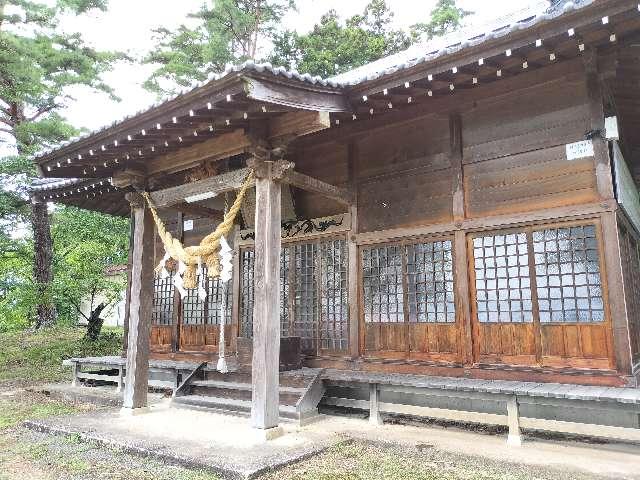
[
  {"x": 268, "y": 434},
  {"x": 514, "y": 440},
  {"x": 132, "y": 412}
]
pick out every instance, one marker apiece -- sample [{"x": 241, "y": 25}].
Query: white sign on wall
[
  {"x": 579, "y": 150},
  {"x": 626, "y": 188},
  {"x": 187, "y": 225}
]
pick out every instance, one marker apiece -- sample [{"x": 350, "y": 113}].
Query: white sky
[{"x": 128, "y": 24}]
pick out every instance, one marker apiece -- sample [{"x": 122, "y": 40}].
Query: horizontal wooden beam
[
  {"x": 198, "y": 210},
  {"x": 310, "y": 184},
  {"x": 217, "y": 185},
  {"x": 301, "y": 98}
]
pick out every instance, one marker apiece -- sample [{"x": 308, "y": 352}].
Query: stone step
[
  {"x": 227, "y": 405},
  {"x": 221, "y": 384}
]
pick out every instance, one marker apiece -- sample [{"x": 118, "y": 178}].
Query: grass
[{"x": 29, "y": 357}]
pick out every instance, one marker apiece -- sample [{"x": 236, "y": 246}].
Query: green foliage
[
  {"x": 38, "y": 64},
  {"x": 445, "y": 18},
  {"x": 334, "y": 46},
  {"x": 228, "y": 31},
  {"x": 37, "y": 356},
  {"x": 84, "y": 244}
]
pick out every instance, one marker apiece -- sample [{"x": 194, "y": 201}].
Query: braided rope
[{"x": 209, "y": 247}]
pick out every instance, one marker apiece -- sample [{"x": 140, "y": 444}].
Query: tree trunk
[
  {"x": 95, "y": 323},
  {"x": 42, "y": 263}
]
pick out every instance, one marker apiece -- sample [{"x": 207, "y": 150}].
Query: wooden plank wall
[{"x": 514, "y": 150}]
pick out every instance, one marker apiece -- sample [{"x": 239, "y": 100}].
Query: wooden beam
[
  {"x": 302, "y": 98},
  {"x": 297, "y": 124},
  {"x": 223, "y": 146},
  {"x": 198, "y": 210},
  {"x": 141, "y": 298},
  {"x": 265, "y": 375},
  {"x": 353, "y": 274},
  {"x": 310, "y": 184},
  {"x": 219, "y": 184}
]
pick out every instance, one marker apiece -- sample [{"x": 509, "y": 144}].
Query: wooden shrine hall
[{"x": 458, "y": 222}]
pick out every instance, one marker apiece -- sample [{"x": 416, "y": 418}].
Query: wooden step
[
  {"x": 227, "y": 405},
  {"x": 241, "y": 386}
]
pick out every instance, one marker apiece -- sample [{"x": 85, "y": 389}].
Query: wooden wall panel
[
  {"x": 404, "y": 176},
  {"x": 386, "y": 339},
  {"x": 575, "y": 345},
  {"x": 528, "y": 181},
  {"x": 418, "y": 197},
  {"x": 549, "y": 114},
  {"x": 161, "y": 338},
  {"x": 508, "y": 343},
  {"x": 327, "y": 162},
  {"x": 434, "y": 341}
]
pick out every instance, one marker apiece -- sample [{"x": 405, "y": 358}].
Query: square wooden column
[
  {"x": 265, "y": 371},
  {"x": 140, "y": 304}
]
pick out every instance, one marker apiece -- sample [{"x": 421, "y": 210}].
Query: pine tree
[
  {"x": 38, "y": 62},
  {"x": 229, "y": 31}
]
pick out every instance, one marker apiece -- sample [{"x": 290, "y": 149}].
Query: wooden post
[
  {"x": 74, "y": 373},
  {"x": 137, "y": 370},
  {"x": 513, "y": 420},
  {"x": 265, "y": 372},
  {"x": 374, "y": 401},
  {"x": 352, "y": 255}
]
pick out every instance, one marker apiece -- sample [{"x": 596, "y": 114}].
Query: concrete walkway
[{"x": 227, "y": 445}]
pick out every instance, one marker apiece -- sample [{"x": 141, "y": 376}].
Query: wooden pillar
[
  {"x": 141, "y": 298},
  {"x": 353, "y": 276},
  {"x": 266, "y": 310},
  {"x": 610, "y": 235}
]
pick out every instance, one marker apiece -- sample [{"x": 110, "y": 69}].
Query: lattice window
[
  {"x": 430, "y": 282},
  {"x": 306, "y": 295},
  {"x": 382, "y": 284},
  {"x": 568, "y": 274},
  {"x": 246, "y": 293},
  {"x": 194, "y": 309},
  {"x": 334, "y": 309},
  {"x": 214, "y": 299},
  {"x": 503, "y": 286},
  {"x": 162, "y": 313}
]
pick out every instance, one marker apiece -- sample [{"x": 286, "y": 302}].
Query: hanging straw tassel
[{"x": 190, "y": 277}]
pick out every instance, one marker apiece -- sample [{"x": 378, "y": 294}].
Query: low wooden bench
[
  {"x": 511, "y": 393},
  {"x": 110, "y": 364}
]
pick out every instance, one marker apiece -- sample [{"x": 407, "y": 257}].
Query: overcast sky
[{"x": 128, "y": 24}]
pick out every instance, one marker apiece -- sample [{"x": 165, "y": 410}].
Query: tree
[
  {"x": 228, "y": 31},
  {"x": 86, "y": 244},
  {"x": 445, "y": 18},
  {"x": 334, "y": 47},
  {"x": 37, "y": 65}
]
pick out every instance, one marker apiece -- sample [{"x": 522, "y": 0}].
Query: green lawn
[{"x": 28, "y": 357}]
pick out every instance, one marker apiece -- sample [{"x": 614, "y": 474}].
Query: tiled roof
[{"x": 45, "y": 184}]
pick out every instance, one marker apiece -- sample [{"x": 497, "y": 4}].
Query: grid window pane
[
  {"x": 568, "y": 274},
  {"x": 162, "y": 313},
  {"x": 382, "y": 284},
  {"x": 246, "y": 293},
  {"x": 193, "y": 309},
  {"x": 430, "y": 282},
  {"x": 503, "y": 289},
  {"x": 334, "y": 309},
  {"x": 305, "y": 295},
  {"x": 214, "y": 297}
]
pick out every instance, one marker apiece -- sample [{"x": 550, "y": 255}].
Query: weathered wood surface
[
  {"x": 266, "y": 311},
  {"x": 320, "y": 100},
  {"x": 141, "y": 298}
]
